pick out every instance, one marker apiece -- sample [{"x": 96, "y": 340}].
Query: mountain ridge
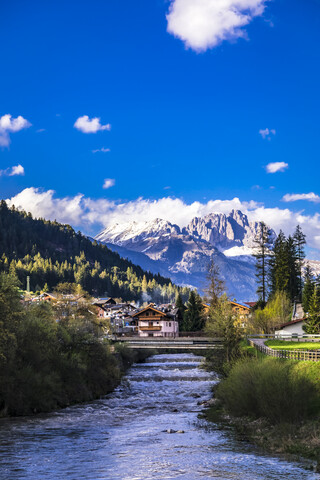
[{"x": 184, "y": 253}]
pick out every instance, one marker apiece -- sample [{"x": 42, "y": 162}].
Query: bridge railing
[{"x": 172, "y": 343}]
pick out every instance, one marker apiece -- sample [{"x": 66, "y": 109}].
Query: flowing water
[{"x": 122, "y": 437}]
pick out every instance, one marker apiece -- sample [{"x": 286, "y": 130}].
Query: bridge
[{"x": 178, "y": 343}]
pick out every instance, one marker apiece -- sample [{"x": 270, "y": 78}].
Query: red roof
[
  {"x": 251, "y": 304},
  {"x": 293, "y": 322}
]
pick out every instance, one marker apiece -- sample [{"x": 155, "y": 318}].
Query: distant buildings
[
  {"x": 151, "y": 321},
  {"x": 242, "y": 312},
  {"x": 119, "y": 315}
]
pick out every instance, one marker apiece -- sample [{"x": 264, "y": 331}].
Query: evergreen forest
[{"x": 51, "y": 253}]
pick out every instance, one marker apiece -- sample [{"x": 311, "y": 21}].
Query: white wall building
[
  {"x": 291, "y": 328},
  {"x": 155, "y": 323}
]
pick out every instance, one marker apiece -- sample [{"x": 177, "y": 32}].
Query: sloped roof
[
  {"x": 251, "y": 304},
  {"x": 293, "y": 322},
  {"x": 240, "y": 305},
  {"x": 149, "y": 307}
]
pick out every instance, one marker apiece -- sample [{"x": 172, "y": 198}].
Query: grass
[
  {"x": 249, "y": 351},
  {"x": 285, "y": 345}
]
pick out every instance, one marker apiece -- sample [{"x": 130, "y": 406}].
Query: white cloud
[
  {"x": 108, "y": 182},
  {"x": 92, "y": 214},
  {"x": 293, "y": 197},
  {"x": 276, "y": 167},
  {"x": 203, "y": 24},
  {"x": 103, "y": 150},
  {"x": 43, "y": 204},
  {"x": 93, "y": 125},
  {"x": 11, "y": 171},
  {"x": 266, "y": 133},
  {"x": 8, "y": 125},
  {"x": 17, "y": 170}
]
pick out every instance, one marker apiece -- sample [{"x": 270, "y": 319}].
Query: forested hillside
[{"x": 50, "y": 253}]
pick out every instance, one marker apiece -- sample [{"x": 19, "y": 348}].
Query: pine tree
[
  {"x": 179, "y": 304},
  {"x": 299, "y": 241},
  {"x": 262, "y": 254},
  {"x": 312, "y": 325},
  {"x": 278, "y": 272},
  {"x": 293, "y": 273},
  {"x": 308, "y": 288},
  {"x": 193, "y": 319},
  {"x": 144, "y": 285},
  {"x": 284, "y": 267}
]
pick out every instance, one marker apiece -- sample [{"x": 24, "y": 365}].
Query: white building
[
  {"x": 291, "y": 328},
  {"x": 155, "y": 323}
]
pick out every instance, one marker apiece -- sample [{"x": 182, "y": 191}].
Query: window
[{"x": 169, "y": 324}]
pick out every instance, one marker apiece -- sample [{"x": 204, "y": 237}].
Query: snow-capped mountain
[
  {"x": 184, "y": 254},
  {"x": 135, "y": 232}
]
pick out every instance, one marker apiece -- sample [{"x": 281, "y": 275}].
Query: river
[{"x": 122, "y": 437}]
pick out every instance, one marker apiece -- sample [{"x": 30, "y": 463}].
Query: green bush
[
  {"x": 271, "y": 388},
  {"x": 45, "y": 364}
]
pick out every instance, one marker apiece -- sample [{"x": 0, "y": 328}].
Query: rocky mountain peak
[
  {"x": 224, "y": 231},
  {"x": 239, "y": 217}
]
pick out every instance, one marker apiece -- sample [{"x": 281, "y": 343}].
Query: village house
[
  {"x": 102, "y": 304},
  {"x": 295, "y": 327},
  {"x": 241, "y": 312},
  {"x": 153, "y": 322},
  {"x": 119, "y": 314}
]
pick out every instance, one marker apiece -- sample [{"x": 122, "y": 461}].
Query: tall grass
[{"x": 271, "y": 388}]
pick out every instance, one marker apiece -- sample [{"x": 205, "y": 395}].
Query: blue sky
[{"x": 185, "y": 100}]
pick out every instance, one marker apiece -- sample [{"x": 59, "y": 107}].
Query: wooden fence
[{"x": 303, "y": 355}]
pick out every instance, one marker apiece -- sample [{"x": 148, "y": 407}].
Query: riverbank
[
  {"x": 93, "y": 384},
  {"x": 295, "y": 441},
  {"x": 274, "y": 404}
]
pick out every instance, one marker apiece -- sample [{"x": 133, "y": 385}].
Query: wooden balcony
[
  {"x": 155, "y": 328},
  {"x": 152, "y": 318}
]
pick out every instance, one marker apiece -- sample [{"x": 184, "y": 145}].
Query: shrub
[{"x": 270, "y": 388}]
